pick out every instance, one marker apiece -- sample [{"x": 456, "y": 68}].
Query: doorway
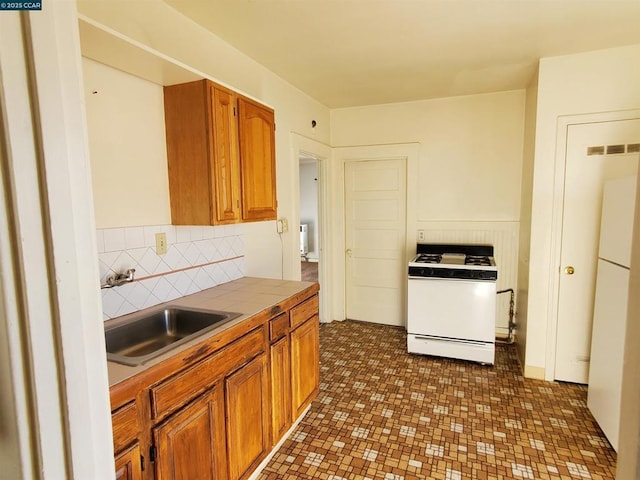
[
  {"x": 309, "y": 219},
  {"x": 595, "y": 152}
]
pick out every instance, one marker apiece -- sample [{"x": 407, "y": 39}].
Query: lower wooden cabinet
[
  {"x": 305, "y": 364},
  {"x": 248, "y": 413},
  {"x": 128, "y": 464},
  {"x": 280, "y": 388},
  {"x": 214, "y": 412},
  {"x": 191, "y": 444}
]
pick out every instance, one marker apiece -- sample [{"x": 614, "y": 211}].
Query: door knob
[
  {"x": 569, "y": 270},
  {"x": 348, "y": 252}
]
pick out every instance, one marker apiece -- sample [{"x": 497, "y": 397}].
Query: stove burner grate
[
  {"x": 429, "y": 258},
  {"x": 477, "y": 260}
]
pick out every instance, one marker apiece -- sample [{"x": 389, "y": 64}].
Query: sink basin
[{"x": 153, "y": 333}]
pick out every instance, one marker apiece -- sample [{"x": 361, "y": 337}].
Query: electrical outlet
[
  {"x": 161, "y": 243},
  {"x": 421, "y": 235}
]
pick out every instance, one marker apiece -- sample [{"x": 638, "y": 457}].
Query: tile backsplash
[{"x": 197, "y": 258}]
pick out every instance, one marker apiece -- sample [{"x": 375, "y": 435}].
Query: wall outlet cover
[{"x": 161, "y": 243}]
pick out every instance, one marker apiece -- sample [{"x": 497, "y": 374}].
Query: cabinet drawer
[
  {"x": 278, "y": 327},
  {"x": 304, "y": 311},
  {"x": 125, "y": 426},
  {"x": 178, "y": 390}
]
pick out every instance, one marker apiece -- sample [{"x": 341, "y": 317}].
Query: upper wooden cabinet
[
  {"x": 257, "y": 161},
  {"x": 221, "y": 155}
]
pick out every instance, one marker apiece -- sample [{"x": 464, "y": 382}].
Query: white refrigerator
[{"x": 610, "y": 308}]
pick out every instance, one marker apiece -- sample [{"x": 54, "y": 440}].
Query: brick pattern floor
[{"x": 384, "y": 414}]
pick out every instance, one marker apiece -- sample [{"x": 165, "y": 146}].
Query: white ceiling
[{"x": 363, "y": 52}]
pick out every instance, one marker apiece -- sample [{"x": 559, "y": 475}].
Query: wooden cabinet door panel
[
  {"x": 301, "y": 313},
  {"x": 190, "y": 444},
  {"x": 305, "y": 364},
  {"x": 280, "y": 388},
  {"x": 257, "y": 160},
  {"x": 225, "y": 168},
  {"x": 248, "y": 413},
  {"x": 125, "y": 425},
  {"x": 128, "y": 464},
  {"x": 278, "y": 327},
  {"x": 187, "y": 123}
]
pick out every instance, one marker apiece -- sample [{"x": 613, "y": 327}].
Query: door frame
[
  {"x": 322, "y": 153},
  {"x": 402, "y": 151},
  {"x": 562, "y": 133},
  {"x": 53, "y": 321}
]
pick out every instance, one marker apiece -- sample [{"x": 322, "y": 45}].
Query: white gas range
[{"x": 451, "y": 307}]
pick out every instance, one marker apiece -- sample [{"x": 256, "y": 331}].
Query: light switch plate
[
  {"x": 161, "y": 243},
  {"x": 282, "y": 225}
]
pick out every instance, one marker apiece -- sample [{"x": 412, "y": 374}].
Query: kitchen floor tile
[{"x": 385, "y": 414}]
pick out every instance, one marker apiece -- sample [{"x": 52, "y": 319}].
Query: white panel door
[
  {"x": 584, "y": 182},
  {"x": 375, "y": 222}
]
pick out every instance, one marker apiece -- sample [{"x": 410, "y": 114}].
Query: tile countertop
[{"x": 248, "y": 295}]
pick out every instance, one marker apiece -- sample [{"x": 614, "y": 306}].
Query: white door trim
[
  {"x": 564, "y": 122},
  {"x": 406, "y": 151},
  {"x": 301, "y": 145},
  {"x": 65, "y": 424}
]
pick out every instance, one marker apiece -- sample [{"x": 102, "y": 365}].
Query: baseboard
[
  {"x": 536, "y": 373},
  {"x": 256, "y": 473}
]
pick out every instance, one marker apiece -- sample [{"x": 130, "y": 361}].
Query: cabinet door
[
  {"x": 305, "y": 364},
  {"x": 128, "y": 464},
  {"x": 187, "y": 127},
  {"x": 280, "y": 388},
  {"x": 225, "y": 166},
  {"x": 248, "y": 417},
  {"x": 257, "y": 160},
  {"x": 190, "y": 444}
]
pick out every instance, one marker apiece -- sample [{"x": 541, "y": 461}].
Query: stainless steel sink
[{"x": 149, "y": 334}]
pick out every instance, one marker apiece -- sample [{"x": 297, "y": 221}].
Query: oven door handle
[{"x": 450, "y": 340}]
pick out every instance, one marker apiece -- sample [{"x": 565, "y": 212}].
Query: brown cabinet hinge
[{"x": 152, "y": 453}]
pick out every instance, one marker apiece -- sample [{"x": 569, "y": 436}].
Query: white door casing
[
  {"x": 322, "y": 153},
  {"x": 583, "y": 183},
  {"x": 54, "y": 321},
  {"x": 375, "y": 240}
]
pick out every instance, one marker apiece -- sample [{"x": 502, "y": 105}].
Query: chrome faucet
[{"x": 119, "y": 279}]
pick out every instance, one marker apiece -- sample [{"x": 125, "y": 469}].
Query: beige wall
[
  {"x": 157, "y": 26},
  {"x": 125, "y": 119},
  {"x": 599, "y": 81},
  {"x": 525, "y": 217},
  {"x": 470, "y": 151}
]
